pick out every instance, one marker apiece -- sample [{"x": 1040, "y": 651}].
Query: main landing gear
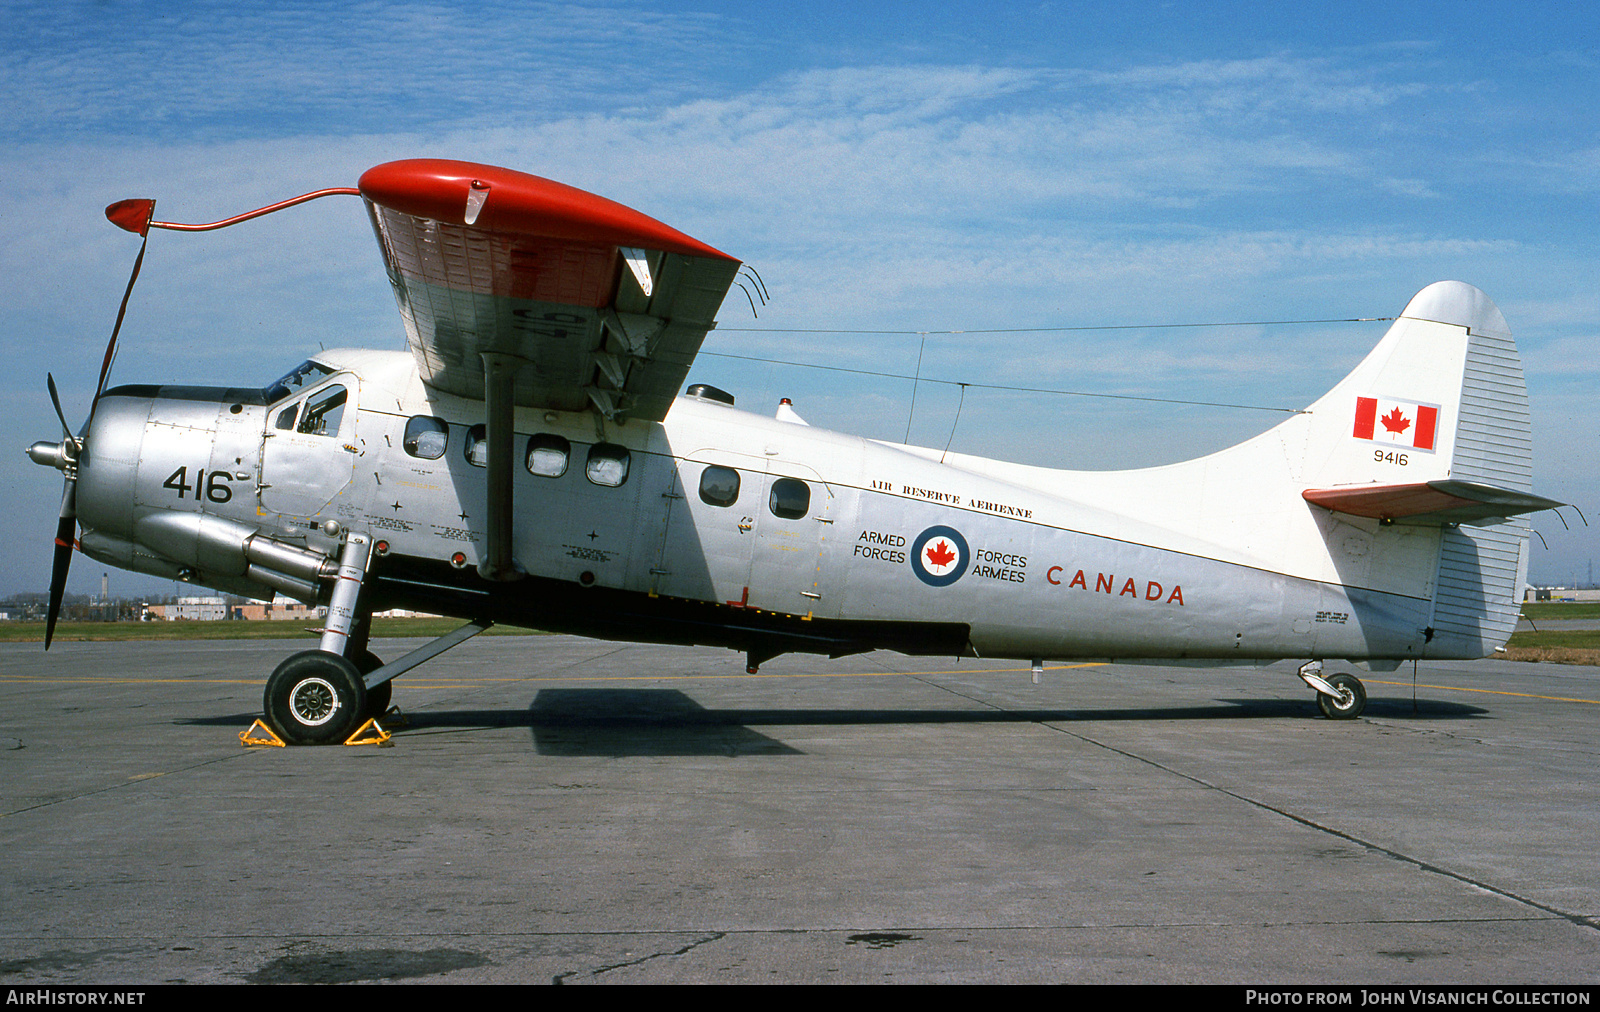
[
  {"x": 1339, "y": 697},
  {"x": 323, "y": 696},
  {"x": 320, "y": 697},
  {"x": 315, "y": 698}
]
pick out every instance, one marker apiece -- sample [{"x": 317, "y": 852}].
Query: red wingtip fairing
[{"x": 517, "y": 202}]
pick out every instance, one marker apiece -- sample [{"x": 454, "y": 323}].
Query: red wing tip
[{"x": 512, "y": 201}]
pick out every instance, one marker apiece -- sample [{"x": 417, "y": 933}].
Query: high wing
[
  {"x": 584, "y": 301},
  {"x": 525, "y": 292}
]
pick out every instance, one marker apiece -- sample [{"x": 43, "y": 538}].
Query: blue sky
[{"x": 884, "y": 166}]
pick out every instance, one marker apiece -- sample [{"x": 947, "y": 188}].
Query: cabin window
[
  {"x": 547, "y": 455},
  {"x": 286, "y": 418},
  {"x": 324, "y": 411},
  {"x": 719, "y": 486},
  {"x": 790, "y": 498},
  {"x": 426, "y": 437},
  {"x": 608, "y": 464},
  {"x": 477, "y": 449}
]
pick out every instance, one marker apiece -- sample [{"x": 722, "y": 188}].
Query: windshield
[{"x": 298, "y": 378}]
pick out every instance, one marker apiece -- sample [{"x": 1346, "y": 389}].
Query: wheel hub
[{"x": 313, "y": 701}]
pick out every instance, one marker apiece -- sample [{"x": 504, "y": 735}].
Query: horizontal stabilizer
[{"x": 1431, "y": 502}]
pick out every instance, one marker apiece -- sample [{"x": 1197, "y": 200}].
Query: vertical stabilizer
[
  {"x": 1482, "y": 568},
  {"x": 1442, "y": 398}
]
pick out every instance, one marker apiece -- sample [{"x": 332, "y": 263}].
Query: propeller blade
[
  {"x": 66, "y": 532},
  {"x": 55, "y": 399}
]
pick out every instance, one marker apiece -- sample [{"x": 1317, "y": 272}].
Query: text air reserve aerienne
[{"x": 531, "y": 461}]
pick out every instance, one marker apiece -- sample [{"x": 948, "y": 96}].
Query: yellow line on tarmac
[
  {"x": 1492, "y": 692},
  {"x": 118, "y": 680}
]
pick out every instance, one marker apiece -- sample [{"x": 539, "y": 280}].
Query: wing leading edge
[{"x": 586, "y": 302}]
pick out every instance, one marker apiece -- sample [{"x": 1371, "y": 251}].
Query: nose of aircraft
[
  {"x": 50, "y": 454},
  {"x": 83, "y": 496}
]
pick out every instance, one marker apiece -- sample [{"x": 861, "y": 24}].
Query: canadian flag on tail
[{"x": 1398, "y": 423}]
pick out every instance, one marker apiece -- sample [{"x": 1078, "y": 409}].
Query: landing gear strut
[
  {"x": 1339, "y": 697},
  {"x": 319, "y": 697}
]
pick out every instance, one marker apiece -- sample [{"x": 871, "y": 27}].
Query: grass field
[
  {"x": 1556, "y": 647},
  {"x": 1574, "y": 609}
]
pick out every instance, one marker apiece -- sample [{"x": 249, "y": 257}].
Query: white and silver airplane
[{"x": 529, "y": 462}]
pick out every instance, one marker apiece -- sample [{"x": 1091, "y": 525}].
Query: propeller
[
  {"x": 66, "y": 534},
  {"x": 67, "y": 524},
  {"x": 135, "y": 216}
]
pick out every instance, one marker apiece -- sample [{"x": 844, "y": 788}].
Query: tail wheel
[
  {"x": 1350, "y": 701},
  {"x": 315, "y": 698}
]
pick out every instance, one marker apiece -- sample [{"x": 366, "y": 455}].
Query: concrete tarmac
[{"x": 573, "y": 811}]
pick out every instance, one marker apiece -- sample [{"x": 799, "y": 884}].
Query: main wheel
[
  {"x": 379, "y": 695},
  {"x": 315, "y": 698},
  {"x": 1350, "y": 701}
]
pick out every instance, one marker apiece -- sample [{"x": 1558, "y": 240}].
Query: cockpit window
[
  {"x": 324, "y": 411},
  {"x": 305, "y": 374}
]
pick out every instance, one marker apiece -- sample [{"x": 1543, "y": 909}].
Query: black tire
[
  {"x": 315, "y": 698},
  {"x": 1352, "y": 698},
  {"x": 378, "y": 696}
]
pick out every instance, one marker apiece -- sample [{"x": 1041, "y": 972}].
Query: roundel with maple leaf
[{"x": 939, "y": 556}]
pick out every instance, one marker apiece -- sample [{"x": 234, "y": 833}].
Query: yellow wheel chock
[
  {"x": 260, "y": 734},
  {"x": 248, "y": 736},
  {"x": 375, "y": 734}
]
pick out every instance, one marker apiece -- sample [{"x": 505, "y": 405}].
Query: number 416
[{"x": 216, "y": 488}]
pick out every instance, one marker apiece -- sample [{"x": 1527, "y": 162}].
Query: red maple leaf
[
  {"x": 1395, "y": 422},
  {"x": 941, "y": 555}
]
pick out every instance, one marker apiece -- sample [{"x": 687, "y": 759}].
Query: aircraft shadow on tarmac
[{"x": 649, "y": 722}]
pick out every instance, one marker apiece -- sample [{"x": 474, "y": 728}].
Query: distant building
[
  {"x": 217, "y": 609},
  {"x": 1561, "y": 594},
  {"x": 196, "y": 609},
  {"x": 279, "y": 611}
]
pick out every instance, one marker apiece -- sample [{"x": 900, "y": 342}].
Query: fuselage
[{"x": 715, "y": 526}]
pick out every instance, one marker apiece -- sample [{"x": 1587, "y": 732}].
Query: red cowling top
[{"x": 517, "y": 202}]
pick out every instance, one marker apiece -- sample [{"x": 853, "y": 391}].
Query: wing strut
[{"x": 499, "y": 402}]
